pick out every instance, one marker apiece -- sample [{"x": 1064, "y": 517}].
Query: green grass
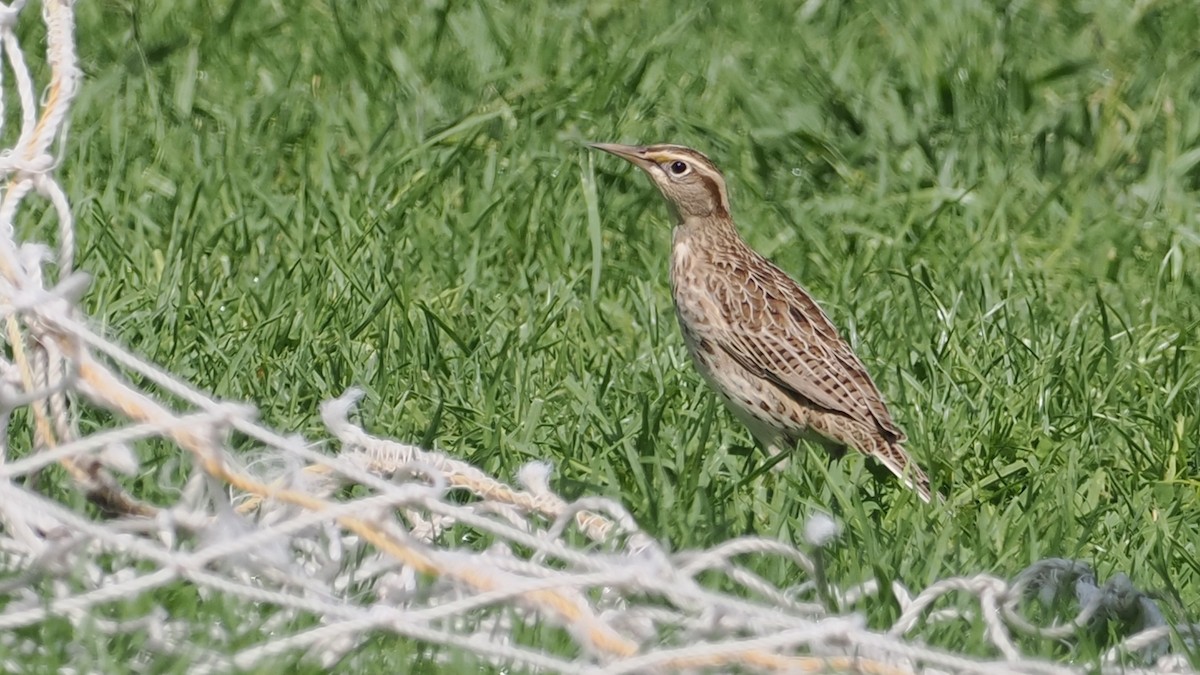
[{"x": 998, "y": 205}]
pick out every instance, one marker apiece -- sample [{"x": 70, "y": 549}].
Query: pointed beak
[{"x": 632, "y": 153}]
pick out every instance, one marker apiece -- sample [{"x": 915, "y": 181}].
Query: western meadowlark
[{"x": 755, "y": 335}]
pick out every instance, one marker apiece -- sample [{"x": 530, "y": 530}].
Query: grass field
[{"x": 997, "y": 204}]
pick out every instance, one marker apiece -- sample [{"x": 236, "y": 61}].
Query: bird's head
[{"x": 687, "y": 179}]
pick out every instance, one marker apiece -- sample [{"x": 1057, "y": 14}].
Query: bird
[{"x": 756, "y": 336}]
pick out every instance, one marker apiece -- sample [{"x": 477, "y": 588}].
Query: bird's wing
[{"x": 773, "y": 328}]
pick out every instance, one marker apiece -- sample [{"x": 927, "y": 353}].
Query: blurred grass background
[{"x": 995, "y": 201}]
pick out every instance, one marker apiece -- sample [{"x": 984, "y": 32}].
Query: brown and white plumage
[{"x": 755, "y": 335}]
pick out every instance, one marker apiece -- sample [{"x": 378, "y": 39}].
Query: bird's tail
[{"x": 896, "y": 459}]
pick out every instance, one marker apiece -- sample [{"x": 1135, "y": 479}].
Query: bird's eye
[{"x": 679, "y": 167}]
